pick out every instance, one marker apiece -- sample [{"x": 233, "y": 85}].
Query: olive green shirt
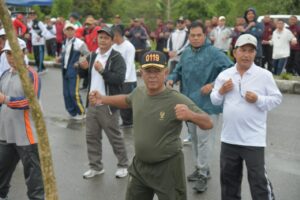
[{"x": 156, "y": 129}]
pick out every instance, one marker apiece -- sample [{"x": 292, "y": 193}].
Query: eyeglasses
[{"x": 240, "y": 89}]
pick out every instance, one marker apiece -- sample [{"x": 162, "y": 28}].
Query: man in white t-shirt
[
  {"x": 282, "y": 39},
  {"x": 127, "y": 51},
  {"x": 247, "y": 93}
]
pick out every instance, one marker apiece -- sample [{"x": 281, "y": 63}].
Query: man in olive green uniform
[{"x": 158, "y": 112}]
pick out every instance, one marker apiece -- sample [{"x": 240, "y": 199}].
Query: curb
[{"x": 285, "y": 86}]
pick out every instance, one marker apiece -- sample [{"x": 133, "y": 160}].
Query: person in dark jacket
[
  {"x": 138, "y": 37},
  {"x": 256, "y": 29},
  {"x": 106, "y": 74}
]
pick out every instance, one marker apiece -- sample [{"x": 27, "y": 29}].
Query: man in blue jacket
[
  {"x": 197, "y": 70},
  {"x": 72, "y": 49}
]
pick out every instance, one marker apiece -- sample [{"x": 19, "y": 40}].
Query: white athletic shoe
[
  {"x": 78, "y": 117},
  {"x": 92, "y": 173},
  {"x": 121, "y": 172}
]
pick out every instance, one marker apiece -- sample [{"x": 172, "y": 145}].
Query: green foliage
[
  {"x": 61, "y": 8},
  {"x": 286, "y": 76},
  {"x": 192, "y": 9},
  {"x": 150, "y": 10},
  {"x": 38, "y": 11}
]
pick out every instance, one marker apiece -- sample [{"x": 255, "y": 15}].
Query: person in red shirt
[
  {"x": 266, "y": 47},
  {"x": 90, "y": 33},
  {"x": 19, "y": 26},
  {"x": 60, "y": 23},
  {"x": 293, "y": 65}
]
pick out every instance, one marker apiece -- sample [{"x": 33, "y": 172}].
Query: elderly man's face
[
  {"x": 154, "y": 78},
  {"x": 245, "y": 56}
]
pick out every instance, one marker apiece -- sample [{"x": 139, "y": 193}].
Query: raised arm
[
  {"x": 185, "y": 114},
  {"x": 95, "y": 98}
]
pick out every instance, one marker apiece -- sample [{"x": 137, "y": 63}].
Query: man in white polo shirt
[
  {"x": 127, "y": 51},
  {"x": 247, "y": 92}
]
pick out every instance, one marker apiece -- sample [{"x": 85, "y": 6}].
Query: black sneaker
[
  {"x": 194, "y": 176},
  {"x": 201, "y": 184}
]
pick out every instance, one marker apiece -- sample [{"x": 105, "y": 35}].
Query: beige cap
[
  {"x": 246, "y": 39},
  {"x": 69, "y": 25},
  {"x": 222, "y": 18},
  {"x": 90, "y": 20}
]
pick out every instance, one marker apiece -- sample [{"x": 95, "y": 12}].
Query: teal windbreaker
[{"x": 198, "y": 67}]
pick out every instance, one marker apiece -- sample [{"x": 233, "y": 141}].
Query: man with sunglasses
[
  {"x": 247, "y": 92},
  {"x": 158, "y": 112}
]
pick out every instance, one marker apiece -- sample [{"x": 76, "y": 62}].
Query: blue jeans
[{"x": 279, "y": 64}]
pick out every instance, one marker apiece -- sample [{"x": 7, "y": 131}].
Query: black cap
[
  {"x": 154, "y": 59},
  {"x": 106, "y": 30},
  {"x": 74, "y": 15}
]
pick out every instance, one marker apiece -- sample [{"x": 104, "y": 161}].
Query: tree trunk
[{"x": 43, "y": 142}]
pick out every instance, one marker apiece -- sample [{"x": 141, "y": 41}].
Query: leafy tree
[
  {"x": 61, "y": 8},
  {"x": 192, "y": 9}
]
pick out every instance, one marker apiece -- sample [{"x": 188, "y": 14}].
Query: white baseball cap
[
  {"x": 2, "y": 32},
  {"x": 7, "y": 47},
  {"x": 69, "y": 25},
  {"x": 246, "y": 39}
]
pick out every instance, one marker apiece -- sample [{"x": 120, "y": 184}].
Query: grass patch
[{"x": 46, "y": 58}]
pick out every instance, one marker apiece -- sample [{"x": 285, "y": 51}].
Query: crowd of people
[{"x": 196, "y": 55}]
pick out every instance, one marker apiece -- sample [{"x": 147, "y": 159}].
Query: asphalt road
[{"x": 67, "y": 139}]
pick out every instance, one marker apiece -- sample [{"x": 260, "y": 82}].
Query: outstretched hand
[{"x": 95, "y": 98}]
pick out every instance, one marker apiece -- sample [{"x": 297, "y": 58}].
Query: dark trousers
[
  {"x": 10, "y": 154},
  {"x": 58, "y": 48},
  {"x": 83, "y": 73},
  {"x": 73, "y": 102},
  {"x": 166, "y": 179},
  {"x": 172, "y": 65},
  {"x": 51, "y": 47},
  {"x": 126, "y": 114},
  {"x": 267, "y": 56},
  {"x": 39, "y": 52},
  {"x": 231, "y": 160},
  {"x": 258, "y": 61},
  {"x": 293, "y": 65}
]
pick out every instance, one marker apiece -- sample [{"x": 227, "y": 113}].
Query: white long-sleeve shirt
[
  {"x": 281, "y": 41},
  {"x": 127, "y": 51},
  {"x": 244, "y": 123},
  {"x": 37, "y": 36},
  {"x": 222, "y": 37},
  {"x": 179, "y": 42}
]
